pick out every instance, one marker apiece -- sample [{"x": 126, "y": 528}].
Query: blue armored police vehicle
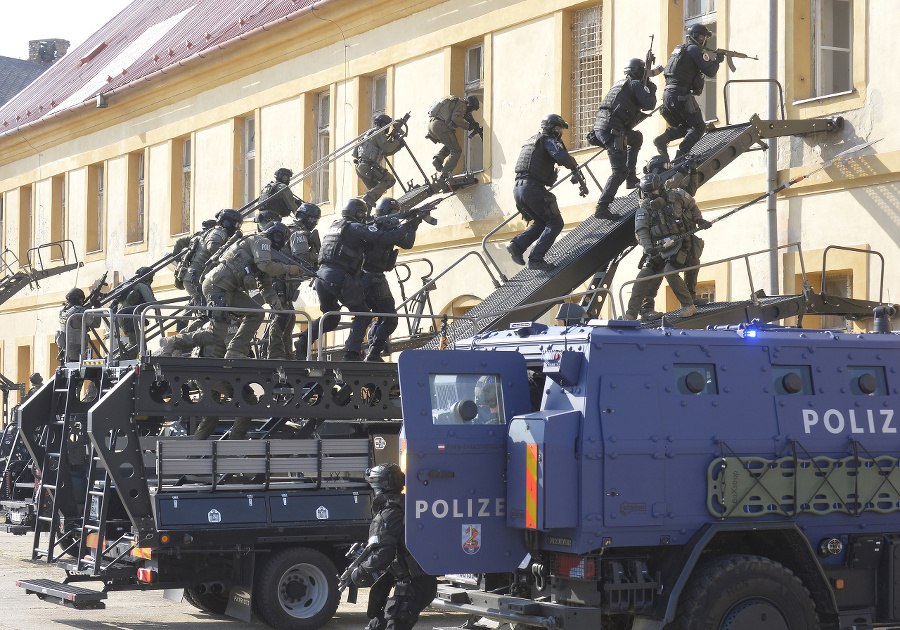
[{"x": 600, "y": 475}]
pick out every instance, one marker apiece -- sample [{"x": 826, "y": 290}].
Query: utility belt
[{"x": 362, "y": 161}]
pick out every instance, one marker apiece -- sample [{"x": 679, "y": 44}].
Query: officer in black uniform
[
  {"x": 379, "y": 260},
  {"x": 535, "y": 171},
  {"x": 344, "y": 248},
  {"x": 684, "y": 73},
  {"x": 277, "y": 195},
  {"x": 619, "y": 112},
  {"x": 413, "y": 588}
]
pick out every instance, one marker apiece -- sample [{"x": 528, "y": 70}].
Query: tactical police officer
[
  {"x": 535, "y": 172},
  {"x": 369, "y": 158},
  {"x": 36, "y": 381},
  {"x": 277, "y": 195},
  {"x": 140, "y": 293},
  {"x": 68, "y": 337},
  {"x": 619, "y": 112},
  {"x": 304, "y": 245},
  {"x": 379, "y": 260},
  {"x": 344, "y": 248},
  {"x": 684, "y": 73},
  {"x": 662, "y": 226},
  {"x": 389, "y": 558},
  {"x": 201, "y": 249},
  {"x": 224, "y": 285},
  {"x": 487, "y": 398},
  {"x": 444, "y": 117}
]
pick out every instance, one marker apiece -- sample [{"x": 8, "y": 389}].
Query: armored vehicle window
[
  {"x": 792, "y": 379},
  {"x": 867, "y": 381},
  {"x": 696, "y": 378},
  {"x": 466, "y": 399}
]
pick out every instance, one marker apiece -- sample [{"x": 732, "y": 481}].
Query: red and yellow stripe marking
[{"x": 531, "y": 486}]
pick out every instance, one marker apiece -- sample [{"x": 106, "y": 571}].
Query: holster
[{"x": 351, "y": 291}]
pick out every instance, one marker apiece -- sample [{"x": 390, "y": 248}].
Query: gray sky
[{"x": 53, "y": 19}]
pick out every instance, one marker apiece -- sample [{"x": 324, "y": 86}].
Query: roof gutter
[{"x": 184, "y": 62}]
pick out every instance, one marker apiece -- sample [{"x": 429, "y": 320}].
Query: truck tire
[
  {"x": 213, "y": 603},
  {"x": 297, "y": 589},
  {"x": 742, "y": 592}
]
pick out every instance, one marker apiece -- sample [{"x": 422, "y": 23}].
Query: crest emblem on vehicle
[
  {"x": 380, "y": 443},
  {"x": 214, "y": 516},
  {"x": 471, "y": 538},
  {"x": 322, "y": 513}
]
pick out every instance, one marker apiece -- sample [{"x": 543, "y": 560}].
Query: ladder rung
[
  {"x": 47, "y": 486},
  {"x": 49, "y": 519},
  {"x": 96, "y": 493},
  {"x": 92, "y": 527}
]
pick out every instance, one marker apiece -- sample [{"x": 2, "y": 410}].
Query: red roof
[{"x": 147, "y": 37}]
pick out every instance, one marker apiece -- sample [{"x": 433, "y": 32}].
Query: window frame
[
  {"x": 248, "y": 159},
  {"x": 474, "y": 147},
  {"x": 584, "y": 63},
  {"x": 817, "y": 47},
  {"x": 321, "y": 145}
]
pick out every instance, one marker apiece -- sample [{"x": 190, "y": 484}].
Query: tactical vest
[
  {"x": 381, "y": 259},
  {"x": 444, "y": 109},
  {"x": 618, "y": 109},
  {"x": 134, "y": 296},
  {"x": 341, "y": 251},
  {"x": 215, "y": 236},
  {"x": 368, "y": 149},
  {"x": 269, "y": 199},
  {"x": 239, "y": 259},
  {"x": 60, "y": 337},
  {"x": 672, "y": 219},
  {"x": 534, "y": 161},
  {"x": 681, "y": 71}
]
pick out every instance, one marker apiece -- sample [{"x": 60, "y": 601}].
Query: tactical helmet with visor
[
  {"x": 355, "y": 210},
  {"x": 385, "y": 206},
  {"x": 386, "y": 478}
]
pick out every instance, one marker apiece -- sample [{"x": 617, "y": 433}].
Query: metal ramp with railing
[
  {"x": 16, "y": 275},
  {"x": 595, "y": 244}
]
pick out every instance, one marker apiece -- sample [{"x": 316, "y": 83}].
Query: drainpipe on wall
[{"x": 772, "y": 153}]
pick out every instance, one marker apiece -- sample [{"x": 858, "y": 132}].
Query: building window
[
  {"x": 586, "y": 80},
  {"x": 248, "y": 157},
  {"x": 839, "y": 284},
  {"x": 180, "y": 217},
  {"x": 474, "y": 146},
  {"x": 135, "y": 216},
  {"x": 57, "y": 215},
  {"x": 704, "y": 12},
  {"x": 93, "y": 228},
  {"x": 23, "y": 367},
  {"x": 832, "y": 42},
  {"x": 377, "y": 95},
  {"x": 707, "y": 291},
  {"x": 25, "y": 223},
  {"x": 322, "y": 143}
]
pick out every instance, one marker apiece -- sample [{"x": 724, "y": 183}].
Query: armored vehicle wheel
[
  {"x": 745, "y": 593},
  {"x": 213, "y": 603},
  {"x": 297, "y": 590}
]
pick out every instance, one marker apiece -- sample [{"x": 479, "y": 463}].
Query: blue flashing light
[{"x": 750, "y": 332}]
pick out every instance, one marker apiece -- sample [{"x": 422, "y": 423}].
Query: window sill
[
  {"x": 828, "y": 104},
  {"x": 136, "y": 248},
  {"x": 819, "y": 99}
]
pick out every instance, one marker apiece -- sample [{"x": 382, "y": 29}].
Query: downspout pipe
[{"x": 772, "y": 153}]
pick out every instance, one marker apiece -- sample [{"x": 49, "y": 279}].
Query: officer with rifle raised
[
  {"x": 277, "y": 195},
  {"x": 201, "y": 248},
  {"x": 139, "y": 293},
  {"x": 369, "y": 155},
  {"x": 71, "y": 320}
]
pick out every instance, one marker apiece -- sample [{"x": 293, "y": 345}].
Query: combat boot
[
  {"x": 632, "y": 180},
  {"x": 374, "y": 354},
  {"x": 438, "y": 164},
  {"x": 351, "y": 355},
  {"x": 369, "y": 201},
  {"x": 662, "y": 145},
  {"x": 650, "y": 314},
  {"x": 167, "y": 347},
  {"x": 687, "y": 310},
  {"x": 234, "y": 354},
  {"x": 602, "y": 212},
  {"x": 300, "y": 348},
  {"x": 541, "y": 265},
  {"x": 516, "y": 253}
]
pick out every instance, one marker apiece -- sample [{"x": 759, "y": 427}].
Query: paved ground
[{"x": 136, "y": 611}]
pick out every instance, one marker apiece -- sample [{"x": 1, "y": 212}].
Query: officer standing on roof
[
  {"x": 379, "y": 260},
  {"x": 277, "y": 195},
  {"x": 664, "y": 214},
  {"x": 344, "y": 248},
  {"x": 140, "y": 293},
  {"x": 444, "y": 117},
  {"x": 389, "y": 557},
  {"x": 68, "y": 337},
  {"x": 684, "y": 73},
  {"x": 535, "y": 172},
  {"x": 619, "y": 112},
  {"x": 369, "y": 158},
  {"x": 224, "y": 285}
]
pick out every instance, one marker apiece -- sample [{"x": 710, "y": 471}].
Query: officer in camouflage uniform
[
  {"x": 140, "y": 293},
  {"x": 183, "y": 243},
  {"x": 390, "y": 559},
  {"x": 278, "y": 197},
  {"x": 343, "y": 250},
  {"x": 444, "y": 117},
  {"x": 379, "y": 260},
  {"x": 68, "y": 337},
  {"x": 664, "y": 214},
  {"x": 202, "y": 247},
  {"x": 224, "y": 286},
  {"x": 684, "y": 73},
  {"x": 535, "y": 172},
  {"x": 304, "y": 245},
  {"x": 369, "y": 157},
  {"x": 619, "y": 112}
]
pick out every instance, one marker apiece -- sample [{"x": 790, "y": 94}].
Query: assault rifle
[
  {"x": 399, "y": 128},
  {"x": 729, "y": 55},
  {"x": 93, "y": 298},
  {"x": 120, "y": 292},
  {"x": 393, "y": 221},
  {"x": 474, "y": 127},
  {"x": 358, "y": 553},
  {"x": 649, "y": 60},
  {"x": 281, "y": 256}
]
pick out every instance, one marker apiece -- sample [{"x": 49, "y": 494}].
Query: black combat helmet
[
  {"x": 355, "y": 209},
  {"x": 278, "y": 234},
  {"x": 284, "y": 175},
  {"x": 208, "y": 223},
  {"x": 36, "y": 379},
  {"x": 386, "y": 205},
  {"x": 308, "y": 214},
  {"x": 657, "y": 164},
  {"x": 650, "y": 182},
  {"x": 698, "y": 33},
  {"x": 229, "y": 219},
  {"x": 472, "y": 103},
  {"x": 75, "y": 296},
  {"x": 145, "y": 270},
  {"x": 381, "y": 120},
  {"x": 386, "y": 478},
  {"x": 553, "y": 124},
  {"x": 635, "y": 69},
  {"x": 264, "y": 218}
]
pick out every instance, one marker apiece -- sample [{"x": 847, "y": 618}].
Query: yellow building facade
[{"x": 121, "y": 182}]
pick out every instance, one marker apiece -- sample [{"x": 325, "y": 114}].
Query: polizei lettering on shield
[
  {"x": 462, "y": 508},
  {"x": 850, "y": 421}
]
